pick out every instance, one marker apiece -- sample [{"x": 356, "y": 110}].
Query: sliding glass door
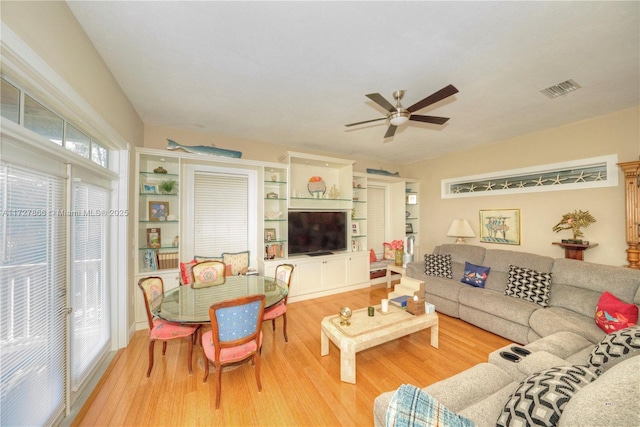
[{"x": 32, "y": 296}]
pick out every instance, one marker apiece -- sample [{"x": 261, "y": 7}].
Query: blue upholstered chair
[{"x": 235, "y": 336}]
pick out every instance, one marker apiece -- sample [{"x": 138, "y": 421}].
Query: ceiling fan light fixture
[{"x": 399, "y": 118}]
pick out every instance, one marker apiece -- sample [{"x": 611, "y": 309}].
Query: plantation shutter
[
  {"x": 376, "y": 224},
  {"x": 90, "y": 325},
  {"x": 221, "y": 213},
  {"x": 32, "y": 290}
]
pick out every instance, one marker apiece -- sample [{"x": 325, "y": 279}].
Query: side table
[{"x": 396, "y": 269}]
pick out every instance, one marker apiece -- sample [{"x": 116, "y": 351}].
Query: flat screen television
[{"x": 315, "y": 232}]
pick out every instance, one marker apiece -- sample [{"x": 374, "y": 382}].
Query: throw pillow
[
  {"x": 616, "y": 347},
  {"x": 613, "y": 314},
  {"x": 530, "y": 285},
  {"x": 185, "y": 271},
  {"x": 475, "y": 275},
  {"x": 372, "y": 256},
  {"x": 541, "y": 397},
  {"x": 438, "y": 265},
  {"x": 238, "y": 261},
  {"x": 201, "y": 258},
  {"x": 388, "y": 252},
  {"x": 411, "y": 406}
]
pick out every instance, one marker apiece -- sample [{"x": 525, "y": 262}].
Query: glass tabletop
[{"x": 187, "y": 305}]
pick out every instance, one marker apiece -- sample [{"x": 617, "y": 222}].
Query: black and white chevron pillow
[
  {"x": 438, "y": 265},
  {"x": 530, "y": 285},
  {"x": 616, "y": 347},
  {"x": 541, "y": 397}
]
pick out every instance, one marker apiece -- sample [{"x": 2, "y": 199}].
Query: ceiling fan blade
[
  {"x": 379, "y": 99},
  {"x": 429, "y": 119},
  {"x": 432, "y": 99},
  {"x": 391, "y": 131},
  {"x": 366, "y": 121}
]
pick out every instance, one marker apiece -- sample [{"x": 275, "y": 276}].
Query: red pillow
[
  {"x": 613, "y": 314},
  {"x": 185, "y": 271},
  {"x": 372, "y": 256},
  {"x": 228, "y": 271}
]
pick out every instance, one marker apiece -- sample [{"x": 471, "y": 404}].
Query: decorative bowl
[{"x": 272, "y": 214}]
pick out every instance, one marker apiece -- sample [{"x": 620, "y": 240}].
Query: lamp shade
[{"x": 460, "y": 228}]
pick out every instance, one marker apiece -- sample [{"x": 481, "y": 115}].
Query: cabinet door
[
  {"x": 358, "y": 268},
  {"x": 306, "y": 278},
  {"x": 334, "y": 273}
]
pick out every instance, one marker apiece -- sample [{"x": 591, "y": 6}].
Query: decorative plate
[
  {"x": 407, "y": 214},
  {"x": 316, "y": 186}
]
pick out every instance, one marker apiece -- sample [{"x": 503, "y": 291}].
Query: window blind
[
  {"x": 32, "y": 296},
  {"x": 221, "y": 205},
  {"x": 376, "y": 224},
  {"x": 90, "y": 322}
]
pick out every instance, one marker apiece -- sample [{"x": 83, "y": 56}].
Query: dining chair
[
  {"x": 283, "y": 273},
  {"x": 208, "y": 273},
  {"x": 235, "y": 336},
  {"x": 160, "y": 330}
]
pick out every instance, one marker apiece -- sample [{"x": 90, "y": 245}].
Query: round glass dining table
[{"x": 187, "y": 305}]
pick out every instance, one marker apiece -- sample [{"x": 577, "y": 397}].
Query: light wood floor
[{"x": 299, "y": 387}]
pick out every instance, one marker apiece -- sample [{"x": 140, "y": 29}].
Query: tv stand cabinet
[{"x": 319, "y": 276}]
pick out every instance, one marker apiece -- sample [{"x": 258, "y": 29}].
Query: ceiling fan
[{"x": 399, "y": 115}]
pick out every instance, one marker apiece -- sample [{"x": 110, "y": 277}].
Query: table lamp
[{"x": 460, "y": 229}]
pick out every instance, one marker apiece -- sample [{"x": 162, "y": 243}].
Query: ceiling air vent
[{"x": 561, "y": 89}]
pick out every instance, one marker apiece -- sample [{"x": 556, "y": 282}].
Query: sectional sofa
[{"x": 552, "y": 324}]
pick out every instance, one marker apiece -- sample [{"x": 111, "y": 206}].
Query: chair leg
[
  {"x": 151, "y": 344},
  {"x": 273, "y": 324},
  {"x": 205, "y": 359},
  {"x": 256, "y": 361},
  {"x": 284, "y": 326},
  {"x": 190, "y": 339},
  {"x": 218, "y": 384},
  {"x": 164, "y": 347}
]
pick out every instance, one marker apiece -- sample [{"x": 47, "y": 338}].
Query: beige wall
[
  {"x": 156, "y": 137},
  {"x": 617, "y": 133},
  {"x": 54, "y": 34}
]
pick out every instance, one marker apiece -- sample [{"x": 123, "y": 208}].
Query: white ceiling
[{"x": 294, "y": 73}]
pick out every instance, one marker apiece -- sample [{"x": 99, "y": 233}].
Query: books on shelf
[
  {"x": 156, "y": 260},
  {"x": 273, "y": 251}
]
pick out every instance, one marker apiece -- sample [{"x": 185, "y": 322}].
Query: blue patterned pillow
[
  {"x": 475, "y": 275},
  {"x": 411, "y": 406}
]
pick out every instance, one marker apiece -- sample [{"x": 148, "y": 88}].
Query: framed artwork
[
  {"x": 146, "y": 188},
  {"x": 270, "y": 234},
  {"x": 158, "y": 211},
  {"x": 153, "y": 237},
  {"x": 412, "y": 199},
  {"x": 500, "y": 226},
  {"x": 409, "y": 228},
  {"x": 355, "y": 228}
]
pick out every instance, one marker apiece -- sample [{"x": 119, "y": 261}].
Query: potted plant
[{"x": 169, "y": 186}]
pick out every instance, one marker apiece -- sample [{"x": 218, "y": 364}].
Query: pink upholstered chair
[
  {"x": 208, "y": 273},
  {"x": 160, "y": 330},
  {"x": 283, "y": 273},
  {"x": 235, "y": 336}
]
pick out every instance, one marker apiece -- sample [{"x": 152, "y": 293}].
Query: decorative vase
[{"x": 399, "y": 255}]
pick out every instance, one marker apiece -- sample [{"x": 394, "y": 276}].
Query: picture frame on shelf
[
  {"x": 412, "y": 199},
  {"x": 270, "y": 234},
  {"x": 154, "y": 237},
  {"x": 500, "y": 226},
  {"x": 158, "y": 211},
  {"x": 355, "y": 228},
  {"x": 148, "y": 188},
  {"x": 409, "y": 228}
]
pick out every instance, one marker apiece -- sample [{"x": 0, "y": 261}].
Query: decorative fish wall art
[
  {"x": 204, "y": 149},
  {"x": 382, "y": 172}
]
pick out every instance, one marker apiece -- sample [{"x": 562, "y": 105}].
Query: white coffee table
[
  {"x": 366, "y": 332},
  {"x": 396, "y": 269}
]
